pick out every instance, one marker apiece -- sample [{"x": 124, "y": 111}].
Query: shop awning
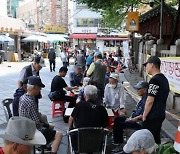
[
  {"x": 4, "y": 38},
  {"x": 56, "y": 38},
  {"x": 35, "y": 38},
  {"x": 111, "y": 38},
  {"x": 83, "y": 36}
]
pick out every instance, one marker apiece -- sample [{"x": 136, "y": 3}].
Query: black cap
[
  {"x": 141, "y": 84},
  {"x": 36, "y": 81},
  {"x": 63, "y": 69},
  {"x": 153, "y": 60}
]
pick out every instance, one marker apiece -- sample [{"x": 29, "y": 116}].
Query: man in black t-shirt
[
  {"x": 154, "y": 112},
  {"x": 87, "y": 113},
  {"x": 58, "y": 83}
]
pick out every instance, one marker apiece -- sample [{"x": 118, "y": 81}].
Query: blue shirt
[
  {"x": 19, "y": 92},
  {"x": 140, "y": 107},
  {"x": 76, "y": 80},
  {"x": 89, "y": 60},
  {"x": 107, "y": 78}
]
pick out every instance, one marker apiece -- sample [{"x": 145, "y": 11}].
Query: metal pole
[
  {"x": 161, "y": 20},
  {"x": 132, "y": 42}
]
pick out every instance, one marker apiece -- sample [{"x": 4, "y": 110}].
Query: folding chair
[
  {"x": 7, "y": 109},
  {"x": 88, "y": 140}
]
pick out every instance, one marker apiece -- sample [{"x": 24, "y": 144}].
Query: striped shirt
[{"x": 28, "y": 108}]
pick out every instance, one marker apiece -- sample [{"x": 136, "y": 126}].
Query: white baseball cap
[
  {"x": 140, "y": 140},
  {"x": 86, "y": 80},
  {"x": 114, "y": 76}
]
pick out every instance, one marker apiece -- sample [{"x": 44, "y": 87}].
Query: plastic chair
[
  {"x": 88, "y": 140},
  {"x": 6, "y": 106},
  {"x": 57, "y": 110}
]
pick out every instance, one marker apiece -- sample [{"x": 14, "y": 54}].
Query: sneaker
[
  {"x": 117, "y": 149},
  {"x": 115, "y": 144},
  {"x": 46, "y": 150}
]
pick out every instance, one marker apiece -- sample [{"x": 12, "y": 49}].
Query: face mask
[{"x": 113, "y": 86}]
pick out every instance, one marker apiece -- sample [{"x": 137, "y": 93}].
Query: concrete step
[{"x": 169, "y": 129}]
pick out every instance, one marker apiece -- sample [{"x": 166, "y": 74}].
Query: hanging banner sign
[
  {"x": 54, "y": 29},
  {"x": 170, "y": 67},
  {"x": 133, "y": 22}
]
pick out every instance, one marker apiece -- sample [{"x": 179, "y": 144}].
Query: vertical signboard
[{"x": 133, "y": 22}]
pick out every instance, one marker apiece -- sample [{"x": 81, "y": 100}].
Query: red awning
[
  {"x": 111, "y": 38},
  {"x": 83, "y": 36}
]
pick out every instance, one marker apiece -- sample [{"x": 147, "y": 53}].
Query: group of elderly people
[{"x": 91, "y": 102}]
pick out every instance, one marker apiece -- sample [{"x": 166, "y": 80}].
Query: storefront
[
  {"x": 12, "y": 28},
  {"x": 110, "y": 43},
  {"x": 84, "y": 39}
]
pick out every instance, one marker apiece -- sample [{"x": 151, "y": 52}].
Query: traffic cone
[
  {"x": 118, "y": 68},
  {"x": 177, "y": 140}
]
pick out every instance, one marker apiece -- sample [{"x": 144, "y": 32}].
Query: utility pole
[{"x": 161, "y": 20}]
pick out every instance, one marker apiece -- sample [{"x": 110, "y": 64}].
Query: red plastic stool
[
  {"x": 111, "y": 120},
  {"x": 57, "y": 110}
]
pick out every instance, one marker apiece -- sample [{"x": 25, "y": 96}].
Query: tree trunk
[{"x": 175, "y": 29}]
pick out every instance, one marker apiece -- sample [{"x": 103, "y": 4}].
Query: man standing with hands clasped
[
  {"x": 52, "y": 59},
  {"x": 155, "y": 106}
]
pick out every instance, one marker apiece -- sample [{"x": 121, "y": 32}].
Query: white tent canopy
[
  {"x": 35, "y": 38},
  {"x": 56, "y": 38},
  {"x": 5, "y": 39}
]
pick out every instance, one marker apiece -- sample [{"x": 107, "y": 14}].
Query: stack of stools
[{"x": 58, "y": 108}]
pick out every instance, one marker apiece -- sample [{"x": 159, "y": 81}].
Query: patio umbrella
[
  {"x": 55, "y": 38},
  {"x": 5, "y": 39},
  {"x": 34, "y": 38}
]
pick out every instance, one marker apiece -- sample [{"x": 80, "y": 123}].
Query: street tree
[{"x": 114, "y": 12}]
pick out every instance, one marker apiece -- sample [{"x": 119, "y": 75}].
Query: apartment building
[{"x": 40, "y": 14}]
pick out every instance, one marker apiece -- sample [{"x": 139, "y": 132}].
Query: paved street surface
[
  {"x": 8, "y": 84},
  {"x": 9, "y": 73}
]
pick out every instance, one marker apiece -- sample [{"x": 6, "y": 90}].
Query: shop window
[{"x": 87, "y": 22}]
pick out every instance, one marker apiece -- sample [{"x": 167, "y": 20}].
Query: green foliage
[{"x": 114, "y": 11}]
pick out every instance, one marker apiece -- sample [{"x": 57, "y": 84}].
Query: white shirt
[
  {"x": 87, "y": 51},
  {"x": 114, "y": 97},
  {"x": 63, "y": 56}
]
